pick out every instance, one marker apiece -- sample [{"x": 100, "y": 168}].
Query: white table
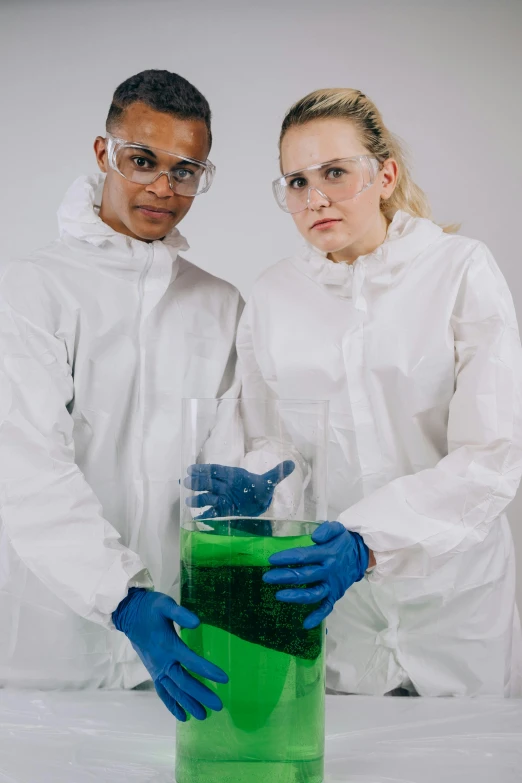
[{"x": 117, "y": 737}]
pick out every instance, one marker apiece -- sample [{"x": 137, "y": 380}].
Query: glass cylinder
[{"x": 272, "y": 723}]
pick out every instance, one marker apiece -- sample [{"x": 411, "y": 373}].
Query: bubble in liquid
[{"x": 245, "y": 490}]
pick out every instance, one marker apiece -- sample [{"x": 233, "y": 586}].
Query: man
[{"x": 102, "y": 333}]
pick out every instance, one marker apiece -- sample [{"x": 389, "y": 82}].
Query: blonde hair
[{"x": 353, "y": 105}]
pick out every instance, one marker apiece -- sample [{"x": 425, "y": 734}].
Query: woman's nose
[{"x": 316, "y": 199}]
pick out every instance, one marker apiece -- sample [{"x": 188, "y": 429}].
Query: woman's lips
[{"x": 324, "y": 224}]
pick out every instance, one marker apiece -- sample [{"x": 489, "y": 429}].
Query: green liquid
[{"x": 271, "y": 727}]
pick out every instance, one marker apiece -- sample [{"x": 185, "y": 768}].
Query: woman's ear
[{"x": 389, "y": 175}]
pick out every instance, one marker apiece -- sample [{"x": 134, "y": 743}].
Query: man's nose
[{"x": 161, "y": 186}]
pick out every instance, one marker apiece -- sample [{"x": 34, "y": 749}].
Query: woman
[{"x": 411, "y": 335}]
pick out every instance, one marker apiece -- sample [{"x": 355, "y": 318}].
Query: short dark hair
[{"x": 163, "y": 91}]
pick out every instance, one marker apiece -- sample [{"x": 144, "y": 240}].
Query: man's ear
[{"x": 100, "y": 150}]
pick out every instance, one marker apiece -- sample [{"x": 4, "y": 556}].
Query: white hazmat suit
[
  {"x": 416, "y": 347},
  {"x": 101, "y": 336}
]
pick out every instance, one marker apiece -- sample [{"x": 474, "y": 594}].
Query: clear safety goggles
[
  {"x": 140, "y": 163},
  {"x": 336, "y": 180}
]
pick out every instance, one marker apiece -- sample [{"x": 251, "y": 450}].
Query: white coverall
[
  {"x": 101, "y": 336},
  {"x": 416, "y": 347}
]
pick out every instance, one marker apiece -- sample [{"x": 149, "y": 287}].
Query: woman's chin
[{"x": 329, "y": 244}]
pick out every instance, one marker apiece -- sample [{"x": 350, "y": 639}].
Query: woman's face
[{"x": 345, "y": 229}]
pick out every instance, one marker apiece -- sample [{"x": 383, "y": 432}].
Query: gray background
[{"x": 446, "y": 76}]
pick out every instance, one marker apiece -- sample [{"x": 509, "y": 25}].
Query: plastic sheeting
[{"x": 114, "y": 736}]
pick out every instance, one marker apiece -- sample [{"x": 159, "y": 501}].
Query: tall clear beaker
[{"x": 271, "y": 727}]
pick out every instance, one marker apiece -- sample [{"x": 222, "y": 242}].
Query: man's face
[{"x": 149, "y": 212}]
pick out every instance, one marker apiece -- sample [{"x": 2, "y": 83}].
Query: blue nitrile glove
[
  {"x": 338, "y": 559},
  {"x": 147, "y": 618},
  {"x": 233, "y": 492}
]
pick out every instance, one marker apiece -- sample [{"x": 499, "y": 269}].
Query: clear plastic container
[{"x": 271, "y": 727}]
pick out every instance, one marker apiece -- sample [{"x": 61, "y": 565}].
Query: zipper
[{"x": 140, "y": 412}]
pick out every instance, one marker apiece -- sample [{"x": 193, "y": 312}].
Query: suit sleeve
[
  {"x": 417, "y": 522},
  {"x": 49, "y": 512}
]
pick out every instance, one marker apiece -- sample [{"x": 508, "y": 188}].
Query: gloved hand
[
  {"x": 233, "y": 492},
  {"x": 147, "y": 619},
  {"x": 338, "y": 559}
]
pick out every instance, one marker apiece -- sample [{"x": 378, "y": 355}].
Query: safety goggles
[
  {"x": 140, "y": 163},
  {"x": 336, "y": 180}
]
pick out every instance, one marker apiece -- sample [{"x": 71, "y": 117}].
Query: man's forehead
[{"x": 143, "y": 125}]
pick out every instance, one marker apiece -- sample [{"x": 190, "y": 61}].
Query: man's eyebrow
[{"x": 143, "y": 148}]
